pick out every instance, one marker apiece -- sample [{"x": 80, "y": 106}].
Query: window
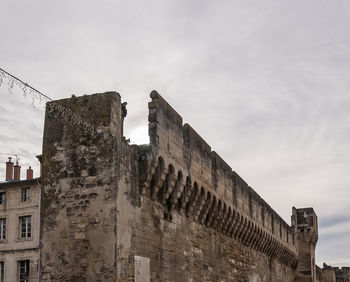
[
  {"x": 2, "y": 271},
  {"x": 26, "y": 226},
  {"x": 25, "y": 194},
  {"x": 23, "y": 269},
  {"x": 2, "y": 229},
  {"x": 2, "y": 198}
]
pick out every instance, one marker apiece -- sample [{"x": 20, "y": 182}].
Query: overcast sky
[{"x": 265, "y": 83}]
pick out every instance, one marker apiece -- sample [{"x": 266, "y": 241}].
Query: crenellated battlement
[
  {"x": 198, "y": 183},
  {"x": 335, "y": 274}
]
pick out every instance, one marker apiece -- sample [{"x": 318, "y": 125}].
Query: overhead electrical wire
[{"x": 2, "y": 72}]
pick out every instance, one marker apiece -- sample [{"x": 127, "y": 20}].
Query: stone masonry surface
[{"x": 173, "y": 209}]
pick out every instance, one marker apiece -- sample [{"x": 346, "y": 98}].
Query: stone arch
[
  {"x": 192, "y": 199},
  {"x": 267, "y": 248},
  {"x": 259, "y": 239},
  {"x": 242, "y": 228},
  {"x": 223, "y": 217},
  {"x": 236, "y": 225},
  {"x": 232, "y": 222},
  {"x": 237, "y": 230},
  {"x": 280, "y": 250},
  {"x": 158, "y": 178},
  {"x": 274, "y": 248},
  {"x": 205, "y": 210},
  {"x": 257, "y": 236},
  {"x": 243, "y": 235},
  {"x": 185, "y": 195},
  {"x": 227, "y": 220},
  {"x": 176, "y": 193},
  {"x": 216, "y": 213},
  {"x": 199, "y": 204},
  {"x": 269, "y": 245},
  {"x": 168, "y": 185},
  {"x": 264, "y": 241},
  {"x": 253, "y": 234},
  {"x": 210, "y": 212},
  {"x": 261, "y": 245},
  {"x": 179, "y": 175},
  {"x": 171, "y": 168}
]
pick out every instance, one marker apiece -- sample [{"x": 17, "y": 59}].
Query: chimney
[
  {"x": 17, "y": 171},
  {"x": 29, "y": 173},
  {"x": 9, "y": 170}
]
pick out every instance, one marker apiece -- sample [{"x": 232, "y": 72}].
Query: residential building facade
[{"x": 19, "y": 226}]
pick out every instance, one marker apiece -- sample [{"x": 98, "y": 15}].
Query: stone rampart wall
[
  {"x": 214, "y": 194},
  {"x": 184, "y": 250},
  {"x": 174, "y": 202},
  {"x": 333, "y": 274}
]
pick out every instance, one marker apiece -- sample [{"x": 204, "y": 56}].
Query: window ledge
[{"x": 24, "y": 239}]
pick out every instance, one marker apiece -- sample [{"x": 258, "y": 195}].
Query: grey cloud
[
  {"x": 264, "y": 82},
  {"x": 330, "y": 221}
]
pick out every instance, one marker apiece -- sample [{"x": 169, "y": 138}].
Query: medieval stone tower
[
  {"x": 304, "y": 222},
  {"x": 83, "y": 160}
]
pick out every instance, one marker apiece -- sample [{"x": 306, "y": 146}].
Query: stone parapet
[
  {"x": 206, "y": 207},
  {"x": 213, "y": 193}
]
